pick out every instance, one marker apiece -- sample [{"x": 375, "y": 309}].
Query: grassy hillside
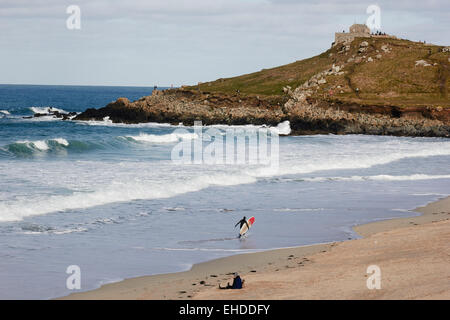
[
  {"x": 383, "y": 72},
  {"x": 270, "y": 81}
]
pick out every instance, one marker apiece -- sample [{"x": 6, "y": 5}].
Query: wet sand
[{"x": 413, "y": 255}]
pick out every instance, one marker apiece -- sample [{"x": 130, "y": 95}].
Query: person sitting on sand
[{"x": 237, "y": 283}]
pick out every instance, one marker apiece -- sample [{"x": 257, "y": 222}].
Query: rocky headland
[{"x": 368, "y": 86}]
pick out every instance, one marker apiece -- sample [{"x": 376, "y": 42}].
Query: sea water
[{"x": 108, "y": 198}]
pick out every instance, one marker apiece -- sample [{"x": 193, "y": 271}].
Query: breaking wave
[
  {"x": 305, "y": 159},
  {"x": 27, "y": 148},
  {"x": 118, "y": 192},
  {"x": 283, "y": 128},
  {"x": 165, "y": 138},
  {"x": 31, "y": 148},
  {"x": 322, "y": 162},
  {"x": 107, "y": 122},
  {"x": 46, "y": 110}
]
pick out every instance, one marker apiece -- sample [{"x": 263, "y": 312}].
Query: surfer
[{"x": 241, "y": 223}]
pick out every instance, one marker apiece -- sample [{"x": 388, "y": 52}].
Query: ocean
[{"x": 109, "y": 199}]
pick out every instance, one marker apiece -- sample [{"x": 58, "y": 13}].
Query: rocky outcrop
[
  {"x": 54, "y": 113},
  {"x": 184, "y": 106},
  {"x": 309, "y": 116},
  {"x": 306, "y": 115}
]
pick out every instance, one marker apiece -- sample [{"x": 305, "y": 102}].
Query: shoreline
[
  {"x": 431, "y": 212},
  {"x": 201, "y": 281}
]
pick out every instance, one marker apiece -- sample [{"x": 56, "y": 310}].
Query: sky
[{"x": 177, "y": 42}]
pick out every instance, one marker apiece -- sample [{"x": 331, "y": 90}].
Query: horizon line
[{"x": 84, "y": 85}]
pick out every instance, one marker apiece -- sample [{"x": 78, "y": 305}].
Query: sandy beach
[{"x": 412, "y": 253}]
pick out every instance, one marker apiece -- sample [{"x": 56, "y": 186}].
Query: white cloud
[{"x": 175, "y": 41}]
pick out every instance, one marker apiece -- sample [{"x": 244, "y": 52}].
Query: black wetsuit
[{"x": 242, "y": 223}]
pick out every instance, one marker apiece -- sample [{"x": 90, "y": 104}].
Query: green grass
[
  {"x": 269, "y": 82},
  {"x": 394, "y": 79}
]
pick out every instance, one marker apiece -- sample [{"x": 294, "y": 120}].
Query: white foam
[
  {"x": 347, "y": 158},
  {"x": 211, "y": 250},
  {"x": 382, "y": 177},
  {"x": 57, "y": 232},
  {"x": 46, "y": 110},
  {"x": 429, "y": 194},
  {"x": 95, "y": 183},
  {"x": 165, "y": 138},
  {"x": 38, "y": 144},
  {"x": 401, "y": 210},
  {"x": 61, "y": 141},
  {"x": 66, "y": 231},
  {"x": 412, "y": 177},
  {"x": 43, "y": 145},
  {"x": 283, "y": 128},
  {"x": 298, "y": 209},
  {"x": 5, "y": 112},
  {"x": 116, "y": 192},
  {"x": 107, "y": 122},
  {"x": 174, "y": 208}
]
